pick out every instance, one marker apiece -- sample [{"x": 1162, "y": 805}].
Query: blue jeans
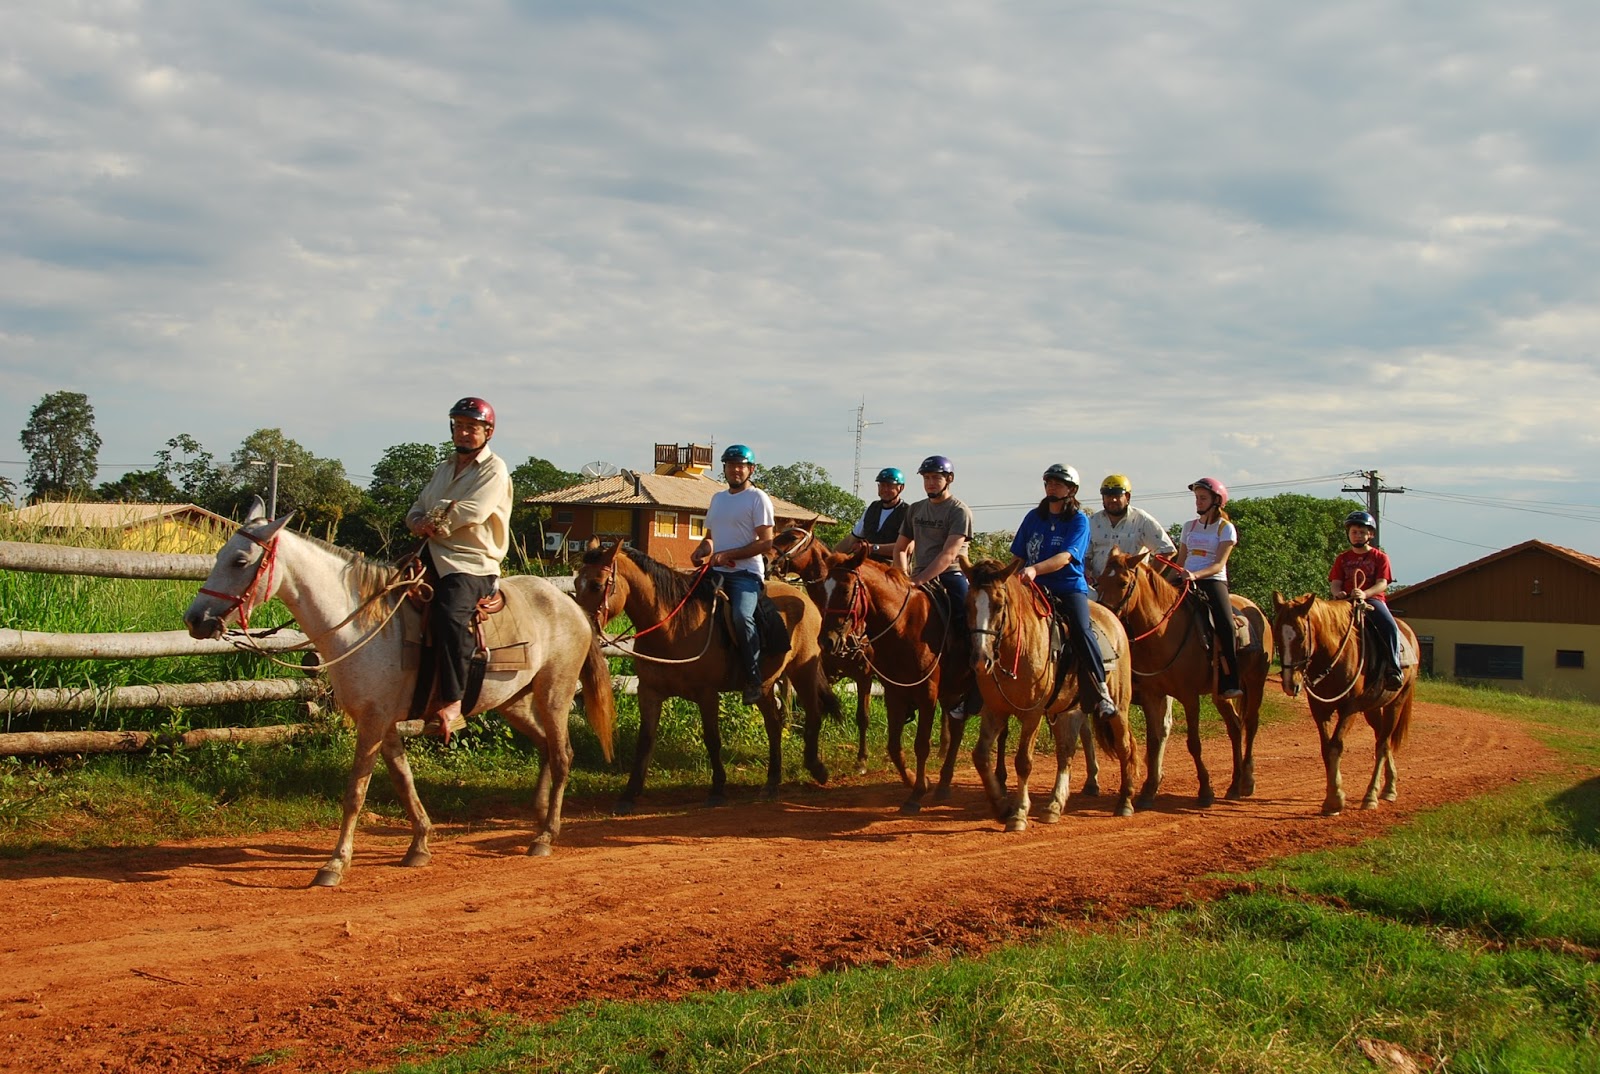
[
  {"x": 1074, "y": 608},
  {"x": 743, "y": 588},
  {"x": 1384, "y": 618}
]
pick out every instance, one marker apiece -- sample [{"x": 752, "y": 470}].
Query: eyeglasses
[{"x": 1113, "y": 492}]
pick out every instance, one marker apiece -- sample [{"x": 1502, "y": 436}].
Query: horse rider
[
  {"x": 464, "y": 516},
  {"x": 879, "y": 525},
  {"x": 934, "y": 531},
  {"x": 1130, "y": 530},
  {"x": 1204, "y": 545},
  {"x": 1120, "y": 525},
  {"x": 1361, "y": 573},
  {"x": 1051, "y": 543},
  {"x": 740, "y": 521}
]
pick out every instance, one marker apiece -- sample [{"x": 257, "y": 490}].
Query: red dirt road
[{"x": 202, "y": 956}]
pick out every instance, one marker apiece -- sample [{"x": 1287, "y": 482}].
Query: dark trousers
[
  {"x": 1216, "y": 591},
  {"x": 955, "y": 586},
  {"x": 1074, "y": 608},
  {"x": 1384, "y": 619},
  {"x": 455, "y": 596}
]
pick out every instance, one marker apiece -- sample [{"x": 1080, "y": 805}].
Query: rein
[
  {"x": 1189, "y": 624},
  {"x": 860, "y": 603},
  {"x": 1042, "y": 608},
  {"x": 1333, "y": 662},
  {"x": 711, "y": 620}
]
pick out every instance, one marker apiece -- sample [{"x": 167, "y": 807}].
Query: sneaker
[
  {"x": 958, "y": 711},
  {"x": 1232, "y": 692},
  {"x": 752, "y": 693}
]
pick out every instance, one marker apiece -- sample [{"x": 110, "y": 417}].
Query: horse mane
[
  {"x": 987, "y": 572},
  {"x": 670, "y": 585},
  {"x": 370, "y": 577}
]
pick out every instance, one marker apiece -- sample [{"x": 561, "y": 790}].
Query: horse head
[
  {"x": 989, "y": 607},
  {"x": 243, "y": 577},
  {"x": 843, "y": 599},
  {"x": 599, "y": 589},
  {"x": 1120, "y": 579},
  {"x": 1292, "y": 625},
  {"x": 798, "y": 551}
]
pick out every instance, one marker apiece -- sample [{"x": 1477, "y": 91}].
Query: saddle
[
  {"x": 771, "y": 629},
  {"x": 1243, "y": 638},
  {"x": 1375, "y": 646},
  {"x": 495, "y": 648}
]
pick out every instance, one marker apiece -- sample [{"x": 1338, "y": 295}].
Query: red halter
[{"x": 254, "y": 591}]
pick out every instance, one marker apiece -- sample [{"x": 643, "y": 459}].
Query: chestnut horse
[
  {"x": 680, "y": 651},
  {"x": 1322, "y": 648},
  {"x": 905, "y": 635},
  {"x": 347, "y": 607},
  {"x": 799, "y": 552},
  {"x": 1170, "y": 659},
  {"x": 1017, "y": 671}
]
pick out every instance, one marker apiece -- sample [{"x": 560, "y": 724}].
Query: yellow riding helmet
[{"x": 1116, "y": 483}]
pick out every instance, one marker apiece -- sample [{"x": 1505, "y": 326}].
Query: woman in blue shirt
[{"x": 1051, "y": 543}]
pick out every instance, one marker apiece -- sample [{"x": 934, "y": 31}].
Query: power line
[{"x": 1440, "y": 536}]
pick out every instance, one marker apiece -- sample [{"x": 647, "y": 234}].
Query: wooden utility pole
[{"x": 1374, "y": 485}]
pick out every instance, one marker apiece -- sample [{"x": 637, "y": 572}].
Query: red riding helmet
[
  {"x": 472, "y": 407},
  {"x": 1213, "y": 486}
]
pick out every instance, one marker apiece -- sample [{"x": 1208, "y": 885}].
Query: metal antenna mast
[{"x": 861, "y": 427}]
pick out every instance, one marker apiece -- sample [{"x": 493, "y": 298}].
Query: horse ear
[
  {"x": 1278, "y": 602},
  {"x": 807, "y": 525},
  {"x": 965, "y": 564},
  {"x": 277, "y": 524},
  {"x": 1142, "y": 557},
  {"x": 611, "y": 553},
  {"x": 1010, "y": 568},
  {"x": 858, "y": 557},
  {"x": 256, "y": 512},
  {"x": 591, "y": 544}
]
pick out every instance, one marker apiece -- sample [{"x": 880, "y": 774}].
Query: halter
[
  {"x": 247, "y": 600},
  {"x": 856, "y": 609},
  {"x": 1183, "y": 595},
  {"x": 1310, "y": 647},
  {"x": 609, "y": 585},
  {"x": 1042, "y": 608},
  {"x": 808, "y": 537}
]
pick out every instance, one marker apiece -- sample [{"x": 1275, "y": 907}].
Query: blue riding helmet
[
  {"x": 892, "y": 474},
  {"x": 1360, "y": 518},
  {"x": 937, "y": 464},
  {"x": 738, "y": 453}
]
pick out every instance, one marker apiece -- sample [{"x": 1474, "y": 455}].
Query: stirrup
[{"x": 440, "y": 729}]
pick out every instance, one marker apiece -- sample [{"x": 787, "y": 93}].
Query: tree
[
  {"x": 807, "y": 484},
  {"x": 138, "y": 486},
  {"x": 994, "y": 544},
  {"x": 397, "y": 481},
  {"x": 317, "y": 488},
  {"x": 531, "y": 478},
  {"x": 8, "y": 491},
  {"x": 1287, "y": 543},
  {"x": 192, "y": 471},
  {"x": 63, "y": 448}
]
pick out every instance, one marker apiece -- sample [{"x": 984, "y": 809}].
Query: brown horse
[
  {"x": 1171, "y": 659},
  {"x": 1018, "y": 675},
  {"x": 799, "y": 552},
  {"x": 905, "y": 635},
  {"x": 679, "y": 651},
  {"x": 1322, "y": 646}
]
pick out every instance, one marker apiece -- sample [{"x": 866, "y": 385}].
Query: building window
[
  {"x": 697, "y": 525},
  {"x": 1569, "y": 658},
  {"x": 1488, "y": 661},
  {"x": 613, "y": 521},
  {"x": 564, "y": 515},
  {"x": 666, "y": 524}
]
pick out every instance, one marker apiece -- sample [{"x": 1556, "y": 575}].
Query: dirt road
[{"x": 204, "y": 955}]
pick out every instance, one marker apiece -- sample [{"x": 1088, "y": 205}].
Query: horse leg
[
  {"x": 1191, "y": 719},
  {"x": 1000, "y": 755},
  {"x": 989, "y": 731},
  {"x": 919, "y": 788},
  {"x": 1250, "y": 715},
  {"x": 1157, "y": 728},
  {"x": 1121, "y": 731},
  {"x": 709, "y": 705},
  {"x": 650, "y": 699},
  {"x": 405, "y": 786},
  {"x": 1391, "y": 714},
  {"x": 955, "y": 731},
  {"x": 811, "y": 683},
  {"x": 1068, "y": 730},
  {"x": 1022, "y": 804},
  {"x": 1332, "y": 750},
  {"x": 545, "y": 722},
  {"x": 1382, "y": 725},
  {"x": 370, "y": 733},
  {"x": 1229, "y": 710},
  {"x": 1091, "y": 760},
  {"x": 772, "y": 718},
  {"x": 898, "y": 707},
  {"x": 863, "y": 720}
]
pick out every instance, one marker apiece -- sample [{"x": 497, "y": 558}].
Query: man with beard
[
  {"x": 739, "y": 529},
  {"x": 1120, "y": 525},
  {"x": 879, "y": 525}
]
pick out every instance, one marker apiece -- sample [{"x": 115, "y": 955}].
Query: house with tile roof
[
  {"x": 1525, "y": 618},
  {"x": 145, "y": 527},
  {"x": 661, "y": 512}
]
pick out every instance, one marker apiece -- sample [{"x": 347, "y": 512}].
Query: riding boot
[
  {"x": 1104, "y": 707},
  {"x": 1228, "y": 682}
]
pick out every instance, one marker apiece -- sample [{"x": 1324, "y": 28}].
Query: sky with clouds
[{"x": 1275, "y": 243}]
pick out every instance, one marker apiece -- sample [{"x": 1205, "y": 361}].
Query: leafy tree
[
  {"x": 1286, "y": 542},
  {"x": 397, "y": 481},
  {"x": 994, "y": 544},
  {"x": 530, "y": 479},
  {"x": 138, "y": 486},
  {"x": 807, "y": 484},
  {"x": 315, "y": 487},
  {"x": 62, "y": 445},
  {"x": 8, "y": 491},
  {"x": 192, "y": 471}
]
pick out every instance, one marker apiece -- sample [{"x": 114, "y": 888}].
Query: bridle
[
  {"x": 808, "y": 537},
  {"x": 255, "y": 592},
  {"x": 1042, "y": 608},
  {"x": 1133, "y": 586},
  {"x": 608, "y": 586},
  {"x": 1309, "y": 646},
  {"x": 856, "y": 642}
]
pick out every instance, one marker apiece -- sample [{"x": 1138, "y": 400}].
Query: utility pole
[
  {"x": 1374, "y": 485},
  {"x": 272, "y": 483},
  {"x": 861, "y": 427}
]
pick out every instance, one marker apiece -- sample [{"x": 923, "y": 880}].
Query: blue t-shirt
[{"x": 1039, "y": 538}]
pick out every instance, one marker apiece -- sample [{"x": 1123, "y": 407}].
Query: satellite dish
[{"x": 598, "y": 468}]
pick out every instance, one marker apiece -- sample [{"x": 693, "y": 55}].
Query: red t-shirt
[{"x": 1373, "y": 565}]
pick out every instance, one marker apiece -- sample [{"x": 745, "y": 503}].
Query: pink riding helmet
[{"x": 1215, "y": 487}]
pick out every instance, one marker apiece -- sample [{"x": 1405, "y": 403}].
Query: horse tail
[
  {"x": 1402, "y": 721},
  {"x": 1103, "y": 735},
  {"x": 599, "y": 700}
]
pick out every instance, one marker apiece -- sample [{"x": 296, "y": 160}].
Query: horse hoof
[
  {"x": 327, "y": 877},
  {"x": 414, "y": 859},
  {"x": 911, "y": 809},
  {"x": 1145, "y": 801},
  {"x": 1332, "y": 809},
  {"x": 768, "y": 794},
  {"x": 623, "y": 808},
  {"x": 539, "y": 850},
  {"x": 714, "y": 800},
  {"x": 1206, "y": 799},
  {"x": 1092, "y": 789},
  {"x": 1017, "y": 824},
  {"x": 1369, "y": 803},
  {"x": 1234, "y": 794},
  {"x": 1125, "y": 807},
  {"x": 1051, "y": 816},
  {"x": 942, "y": 794},
  {"x": 819, "y": 772}
]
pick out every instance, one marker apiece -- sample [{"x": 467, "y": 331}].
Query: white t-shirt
[
  {"x": 1200, "y": 542},
  {"x": 731, "y": 523}
]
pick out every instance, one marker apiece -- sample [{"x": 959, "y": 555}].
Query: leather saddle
[{"x": 495, "y": 648}]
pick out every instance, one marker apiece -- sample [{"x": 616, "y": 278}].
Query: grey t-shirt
[{"x": 929, "y": 525}]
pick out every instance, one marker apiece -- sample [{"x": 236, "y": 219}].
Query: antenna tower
[{"x": 861, "y": 428}]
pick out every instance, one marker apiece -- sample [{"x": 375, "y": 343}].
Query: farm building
[
  {"x": 1523, "y": 619},
  {"x": 662, "y": 513},
  {"x": 144, "y": 527}
]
